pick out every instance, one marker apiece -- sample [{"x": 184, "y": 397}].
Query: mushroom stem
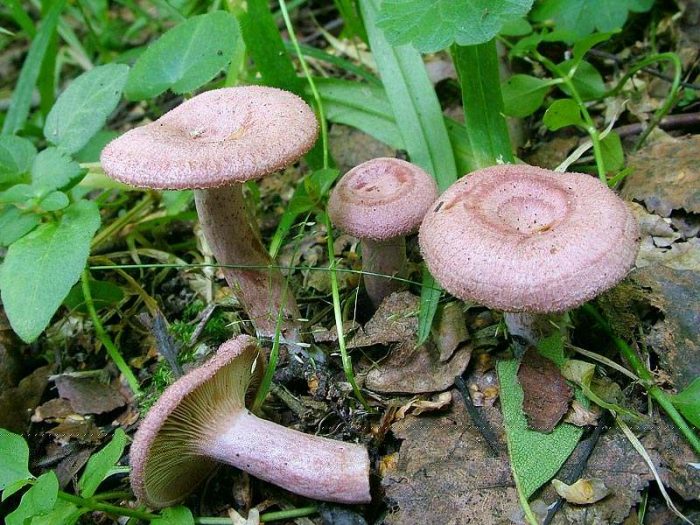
[
  {"x": 385, "y": 258},
  {"x": 311, "y": 466},
  {"x": 233, "y": 241},
  {"x": 531, "y": 328}
]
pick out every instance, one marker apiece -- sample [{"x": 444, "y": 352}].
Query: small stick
[{"x": 480, "y": 422}]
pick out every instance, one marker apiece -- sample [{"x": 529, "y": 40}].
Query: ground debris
[
  {"x": 546, "y": 393},
  {"x": 88, "y": 395},
  {"x": 666, "y": 176},
  {"x": 16, "y": 404},
  {"x": 445, "y": 474},
  {"x": 395, "y": 321}
]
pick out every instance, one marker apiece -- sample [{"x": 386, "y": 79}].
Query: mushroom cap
[
  {"x": 165, "y": 459},
  {"x": 521, "y": 238},
  {"x": 214, "y": 139},
  {"x": 381, "y": 199}
]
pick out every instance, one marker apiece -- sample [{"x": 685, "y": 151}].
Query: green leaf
[
  {"x": 432, "y": 25},
  {"x": 16, "y": 157},
  {"x": 15, "y": 487},
  {"x": 186, "y": 57},
  {"x": 24, "y": 88},
  {"x": 587, "y": 80},
  {"x": 562, "y": 113},
  {"x": 54, "y": 201},
  {"x": 83, "y": 108},
  {"x": 552, "y": 347},
  {"x": 688, "y": 402},
  {"x": 174, "y": 516},
  {"x": 104, "y": 293},
  {"x": 413, "y": 100},
  {"x": 482, "y": 100},
  {"x": 18, "y": 194},
  {"x": 585, "y": 44},
  {"x": 91, "y": 151},
  {"x": 535, "y": 457},
  {"x": 63, "y": 512},
  {"x": 582, "y": 17},
  {"x": 100, "y": 463},
  {"x": 15, "y": 223},
  {"x": 430, "y": 293},
  {"x": 612, "y": 152},
  {"x": 15, "y": 458},
  {"x": 524, "y": 94},
  {"x": 37, "y": 501},
  {"x": 41, "y": 267},
  {"x": 52, "y": 170}
]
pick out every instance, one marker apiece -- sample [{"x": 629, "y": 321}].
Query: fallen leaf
[
  {"x": 666, "y": 176},
  {"x": 88, "y": 395},
  {"x": 16, "y": 404},
  {"x": 395, "y": 321},
  {"x": 417, "y": 370},
  {"x": 623, "y": 471},
  {"x": 675, "y": 338},
  {"x": 581, "y": 416},
  {"x": 53, "y": 409},
  {"x": 444, "y": 471},
  {"x": 546, "y": 395},
  {"x": 450, "y": 330},
  {"x": 79, "y": 428},
  {"x": 583, "y": 492},
  {"x": 419, "y": 406}
]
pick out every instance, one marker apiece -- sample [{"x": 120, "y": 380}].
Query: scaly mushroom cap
[
  {"x": 165, "y": 458},
  {"x": 381, "y": 199},
  {"x": 521, "y": 238},
  {"x": 214, "y": 139}
]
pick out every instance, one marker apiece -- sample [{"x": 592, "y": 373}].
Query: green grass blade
[
  {"x": 487, "y": 133},
  {"x": 415, "y": 105},
  {"x": 22, "y": 95}
]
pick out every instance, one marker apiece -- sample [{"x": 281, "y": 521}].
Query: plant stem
[
  {"x": 347, "y": 362},
  {"x": 106, "y": 507},
  {"x": 264, "y": 518},
  {"x": 646, "y": 379},
  {"x": 102, "y": 335},
  {"x": 670, "y": 99},
  {"x": 119, "y": 223},
  {"x": 588, "y": 120},
  {"x": 307, "y": 74}
]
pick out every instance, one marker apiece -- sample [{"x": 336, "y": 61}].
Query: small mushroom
[
  {"x": 379, "y": 202},
  {"x": 201, "y": 419},
  {"x": 528, "y": 241},
  {"x": 213, "y": 143}
]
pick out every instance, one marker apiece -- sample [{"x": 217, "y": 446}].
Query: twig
[
  {"x": 585, "y": 449},
  {"x": 480, "y": 422},
  {"x": 683, "y": 120}
]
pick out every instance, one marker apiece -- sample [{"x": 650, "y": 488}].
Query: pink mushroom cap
[
  {"x": 381, "y": 199},
  {"x": 525, "y": 239},
  {"x": 214, "y": 139}
]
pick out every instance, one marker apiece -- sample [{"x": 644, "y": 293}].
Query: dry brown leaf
[
  {"x": 546, "y": 392},
  {"x": 444, "y": 470},
  {"x": 450, "y": 330},
  {"x": 417, "y": 370},
  {"x": 417, "y": 406},
  {"x": 581, "y": 416},
  {"x": 16, "y": 404},
  {"x": 395, "y": 321},
  {"x": 666, "y": 176},
  {"x": 88, "y": 395}
]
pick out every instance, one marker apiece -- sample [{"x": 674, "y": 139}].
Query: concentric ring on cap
[
  {"x": 521, "y": 238},
  {"x": 214, "y": 139}
]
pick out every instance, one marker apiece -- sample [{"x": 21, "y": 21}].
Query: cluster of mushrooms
[{"x": 517, "y": 238}]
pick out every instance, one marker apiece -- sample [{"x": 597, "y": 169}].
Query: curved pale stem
[
  {"x": 233, "y": 241},
  {"x": 385, "y": 258},
  {"x": 529, "y": 328},
  {"x": 312, "y": 466}
]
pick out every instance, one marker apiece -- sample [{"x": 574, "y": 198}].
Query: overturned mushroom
[
  {"x": 213, "y": 143},
  {"x": 528, "y": 241},
  {"x": 201, "y": 419},
  {"x": 379, "y": 202}
]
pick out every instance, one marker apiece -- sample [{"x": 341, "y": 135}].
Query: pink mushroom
[
  {"x": 213, "y": 143},
  {"x": 380, "y": 202},
  {"x": 528, "y": 241},
  {"x": 201, "y": 420}
]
